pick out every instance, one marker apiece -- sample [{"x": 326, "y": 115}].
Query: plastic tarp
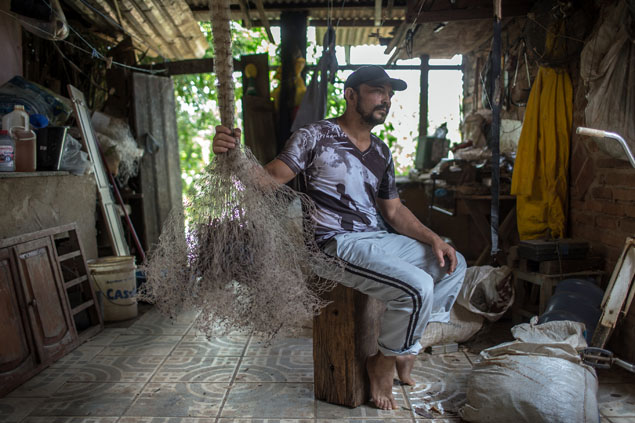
[
  {"x": 607, "y": 66},
  {"x": 542, "y": 163},
  {"x": 538, "y": 378}
]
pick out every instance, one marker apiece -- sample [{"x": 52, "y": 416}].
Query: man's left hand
[{"x": 442, "y": 249}]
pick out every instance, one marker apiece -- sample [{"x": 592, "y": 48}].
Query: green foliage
[
  {"x": 385, "y": 133},
  {"x": 336, "y": 104},
  {"x": 197, "y": 109}
]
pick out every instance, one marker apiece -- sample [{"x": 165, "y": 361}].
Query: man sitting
[{"x": 350, "y": 176}]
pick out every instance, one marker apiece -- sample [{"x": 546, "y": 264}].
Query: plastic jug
[
  {"x": 7, "y": 152},
  {"x": 18, "y": 118},
  {"x": 25, "y": 149}
]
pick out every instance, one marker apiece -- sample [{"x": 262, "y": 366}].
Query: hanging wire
[
  {"x": 337, "y": 24},
  {"x": 92, "y": 52}
]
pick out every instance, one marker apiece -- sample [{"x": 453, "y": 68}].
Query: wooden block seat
[{"x": 344, "y": 336}]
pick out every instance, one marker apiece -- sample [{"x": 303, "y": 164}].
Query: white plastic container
[
  {"x": 18, "y": 118},
  {"x": 7, "y": 152},
  {"x": 115, "y": 278}
]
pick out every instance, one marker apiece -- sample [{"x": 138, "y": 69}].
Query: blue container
[
  {"x": 575, "y": 306},
  {"x": 586, "y": 288}
]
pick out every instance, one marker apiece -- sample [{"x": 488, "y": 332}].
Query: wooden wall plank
[{"x": 155, "y": 129}]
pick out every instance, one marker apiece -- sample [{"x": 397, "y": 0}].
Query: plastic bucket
[{"x": 114, "y": 278}]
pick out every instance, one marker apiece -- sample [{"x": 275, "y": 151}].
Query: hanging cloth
[
  {"x": 313, "y": 106},
  {"x": 542, "y": 163}
]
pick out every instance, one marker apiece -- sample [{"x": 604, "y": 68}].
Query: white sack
[
  {"x": 537, "y": 378},
  {"x": 462, "y": 326},
  {"x": 487, "y": 291}
]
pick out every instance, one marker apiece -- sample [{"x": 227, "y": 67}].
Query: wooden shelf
[
  {"x": 70, "y": 255},
  {"x": 82, "y": 307},
  {"x": 75, "y": 281}
]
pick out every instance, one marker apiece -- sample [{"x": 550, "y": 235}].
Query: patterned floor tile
[
  {"x": 50, "y": 419},
  {"x": 155, "y": 323},
  {"x": 15, "y": 409},
  {"x": 218, "y": 331},
  {"x": 238, "y": 420},
  {"x": 179, "y": 400},
  {"x": 280, "y": 347},
  {"x": 441, "y": 385},
  {"x": 196, "y": 369},
  {"x": 113, "y": 368},
  {"x": 213, "y": 347},
  {"x": 281, "y": 368},
  {"x": 105, "y": 337},
  {"x": 79, "y": 357},
  {"x": 126, "y": 419},
  {"x": 89, "y": 399},
  {"x": 270, "y": 400},
  {"x": 44, "y": 383},
  {"x": 617, "y": 400},
  {"x": 366, "y": 411},
  {"x": 142, "y": 345},
  {"x": 369, "y": 420}
]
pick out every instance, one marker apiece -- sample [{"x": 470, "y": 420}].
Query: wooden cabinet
[
  {"x": 38, "y": 321},
  {"x": 46, "y": 302},
  {"x": 17, "y": 354}
]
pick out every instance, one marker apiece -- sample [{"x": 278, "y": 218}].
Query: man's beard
[{"x": 369, "y": 118}]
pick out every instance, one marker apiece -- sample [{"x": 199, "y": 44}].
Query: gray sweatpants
[{"x": 403, "y": 273}]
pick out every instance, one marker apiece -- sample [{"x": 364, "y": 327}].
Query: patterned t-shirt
[{"x": 343, "y": 181}]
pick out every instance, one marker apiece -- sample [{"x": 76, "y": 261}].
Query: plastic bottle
[
  {"x": 7, "y": 152},
  {"x": 25, "y": 150},
  {"x": 18, "y": 118}
]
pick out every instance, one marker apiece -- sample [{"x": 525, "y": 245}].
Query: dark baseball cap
[{"x": 373, "y": 75}]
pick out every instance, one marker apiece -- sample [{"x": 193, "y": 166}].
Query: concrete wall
[
  {"x": 33, "y": 203},
  {"x": 10, "y": 45}
]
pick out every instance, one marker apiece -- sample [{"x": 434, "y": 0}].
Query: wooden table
[{"x": 546, "y": 285}]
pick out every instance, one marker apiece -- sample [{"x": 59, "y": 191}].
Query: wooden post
[
  {"x": 495, "y": 97},
  {"x": 292, "y": 46},
  {"x": 344, "y": 336},
  {"x": 423, "y": 112}
]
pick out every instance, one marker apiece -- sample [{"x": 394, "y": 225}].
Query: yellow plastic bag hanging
[{"x": 542, "y": 163}]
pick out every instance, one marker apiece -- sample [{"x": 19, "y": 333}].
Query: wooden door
[
  {"x": 44, "y": 297},
  {"x": 17, "y": 354}
]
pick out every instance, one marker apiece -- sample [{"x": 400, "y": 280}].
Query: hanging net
[{"x": 247, "y": 259}]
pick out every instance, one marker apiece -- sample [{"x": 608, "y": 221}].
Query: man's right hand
[{"x": 224, "y": 139}]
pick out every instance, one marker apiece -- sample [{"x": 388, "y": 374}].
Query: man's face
[{"x": 373, "y": 102}]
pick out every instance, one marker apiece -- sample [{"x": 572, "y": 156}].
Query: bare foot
[
  {"x": 380, "y": 371},
  {"x": 404, "y": 368}
]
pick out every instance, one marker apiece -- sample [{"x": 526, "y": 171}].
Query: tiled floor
[{"x": 160, "y": 371}]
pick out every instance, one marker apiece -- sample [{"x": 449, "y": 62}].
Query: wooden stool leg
[{"x": 344, "y": 335}]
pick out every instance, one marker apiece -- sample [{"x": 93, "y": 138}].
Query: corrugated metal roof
[{"x": 166, "y": 27}]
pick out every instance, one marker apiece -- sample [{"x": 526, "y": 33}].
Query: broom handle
[{"x": 223, "y": 61}]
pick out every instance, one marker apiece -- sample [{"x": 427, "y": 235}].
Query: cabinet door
[
  {"x": 51, "y": 324},
  {"x": 17, "y": 357}
]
